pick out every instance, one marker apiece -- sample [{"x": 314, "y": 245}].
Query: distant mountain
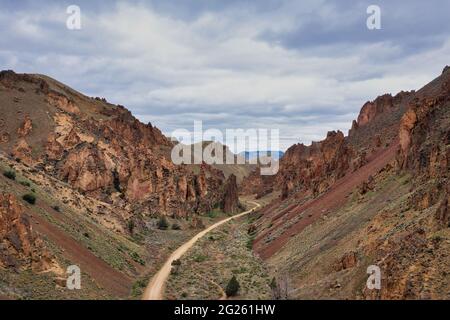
[{"x": 258, "y": 154}]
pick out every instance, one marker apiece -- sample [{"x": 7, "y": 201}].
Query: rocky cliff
[
  {"x": 99, "y": 148},
  {"x": 230, "y": 203},
  {"x": 378, "y": 197},
  {"x": 20, "y": 248}
]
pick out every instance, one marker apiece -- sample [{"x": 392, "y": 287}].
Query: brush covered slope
[
  {"x": 379, "y": 196},
  {"x": 86, "y": 182}
]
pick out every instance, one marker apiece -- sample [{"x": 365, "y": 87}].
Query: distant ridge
[{"x": 255, "y": 154}]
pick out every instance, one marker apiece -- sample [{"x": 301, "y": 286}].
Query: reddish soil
[
  {"x": 334, "y": 198},
  {"x": 107, "y": 277}
]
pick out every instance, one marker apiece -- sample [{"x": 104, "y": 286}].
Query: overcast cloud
[{"x": 304, "y": 67}]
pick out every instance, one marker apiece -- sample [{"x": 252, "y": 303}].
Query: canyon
[{"x": 107, "y": 197}]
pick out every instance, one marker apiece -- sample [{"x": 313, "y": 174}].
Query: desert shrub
[
  {"x": 176, "y": 226},
  {"x": 163, "y": 224},
  {"x": 249, "y": 243},
  {"x": 10, "y": 174},
  {"x": 130, "y": 226},
  {"x": 136, "y": 257},
  {"x": 138, "y": 287},
  {"x": 232, "y": 287},
  {"x": 56, "y": 208},
  {"x": 212, "y": 214},
  {"x": 30, "y": 198},
  {"x": 200, "y": 258},
  {"x": 25, "y": 183},
  {"x": 176, "y": 262}
]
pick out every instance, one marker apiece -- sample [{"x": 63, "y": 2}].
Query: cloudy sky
[{"x": 303, "y": 67}]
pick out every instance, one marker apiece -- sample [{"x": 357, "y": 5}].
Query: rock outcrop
[
  {"x": 20, "y": 248},
  {"x": 390, "y": 209},
  {"x": 306, "y": 168},
  {"x": 230, "y": 202},
  {"x": 348, "y": 260},
  {"x": 102, "y": 150},
  {"x": 25, "y": 128}
]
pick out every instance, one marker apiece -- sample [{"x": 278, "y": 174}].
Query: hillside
[
  {"x": 90, "y": 184},
  {"x": 376, "y": 197}
]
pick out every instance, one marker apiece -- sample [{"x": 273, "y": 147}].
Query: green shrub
[
  {"x": 30, "y": 198},
  {"x": 138, "y": 288},
  {"x": 130, "y": 226},
  {"x": 10, "y": 174},
  {"x": 200, "y": 258},
  {"x": 176, "y": 262},
  {"x": 232, "y": 287},
  {"x": 250, "y": 243},
  {"x": 163, "y": 224},
  {"x": 25, "y": 183},
  {"x": 56, "y": 208},
  {"x": 176, "y": 226},
  {"x": 212, "y": 214},
  {"x": 136, "y": 257}
]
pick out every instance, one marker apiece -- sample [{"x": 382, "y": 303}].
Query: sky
[{"x": 302, "y": 67}]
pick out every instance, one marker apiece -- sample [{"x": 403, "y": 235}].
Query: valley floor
[{"x": 204, "y": 271}]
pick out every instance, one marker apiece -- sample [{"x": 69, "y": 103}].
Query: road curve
[{"x": 155, "y": 288}]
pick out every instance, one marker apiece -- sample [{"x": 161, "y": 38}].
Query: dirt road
[{"x": 155, "y": 289}]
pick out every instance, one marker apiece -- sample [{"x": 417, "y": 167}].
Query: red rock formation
[
  {"x": 372, "y": 109},
  {"x": 86, "y": 168},
  {"x": 26, "y": 127},
  {"x": 72, "y": 139},
  {"x": 101, "y": 149},
  {"x": 22, "y": 151},
  {"x": 20, "y": 248},
  {"x": 349, "y": 260},
  {"x": 230, "y": 202},
  {"x": 62, "y": 102},
  {"x": 315, "y": 167},
  {"x": 54, "y": 150}
]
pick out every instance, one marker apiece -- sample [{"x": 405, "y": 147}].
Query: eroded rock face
[
  {"x": 442, "y": 214},
  {"x": 25, "y": 128},
  {"x": 423, "y": 136},
  {"x": 62, "y": 102},
  {"x": 87, "y": 169},
  {"x": 315, "y": 167},
  {"x": 348, "y": 260},
  {"x": 231, "y": 199},
  {"x": 370, "y": 110},
  {"x": 106, "y": 153},
  {"x": 312, "y": 168},
  {"x": 405, "y": 275},
  {"x": 19, "y": 247},
  {"x": 23, "y": 151}
]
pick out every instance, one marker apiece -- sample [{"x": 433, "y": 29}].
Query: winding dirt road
[{"x": 155, "y": 289}]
